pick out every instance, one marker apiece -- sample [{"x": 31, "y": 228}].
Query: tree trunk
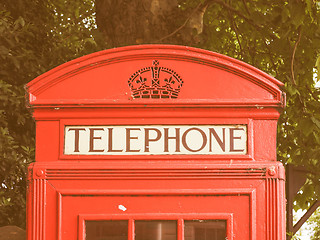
[{"x": 129, "y": 22}]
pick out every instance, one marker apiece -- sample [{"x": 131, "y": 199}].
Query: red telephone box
[{"x": 156, "y": 142}]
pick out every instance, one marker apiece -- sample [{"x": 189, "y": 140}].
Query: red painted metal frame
[
  {"x": 166, "y": 117},
  {"x": 54, "y": 186},
  {"x": 73, "y": 187}
]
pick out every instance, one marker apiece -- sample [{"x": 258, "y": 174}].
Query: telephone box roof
[{"x": 155, "y": 75}]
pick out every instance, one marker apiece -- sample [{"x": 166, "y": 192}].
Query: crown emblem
[{"x": 155, "y": 82}]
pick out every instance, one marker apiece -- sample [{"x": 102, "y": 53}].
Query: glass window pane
[
  {"x": 156, "y": 230},
  {"x": 107, "y": 230},
  {"x": 205, "y": 230}
]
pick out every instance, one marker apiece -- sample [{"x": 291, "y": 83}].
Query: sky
[{"x": 305, "y": 229}]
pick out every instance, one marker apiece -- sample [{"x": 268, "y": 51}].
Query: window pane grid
[
  {"x": 205, "y": 230},
  {"x": 179, "y": 229}
]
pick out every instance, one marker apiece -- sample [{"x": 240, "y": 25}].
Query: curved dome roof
[{"x": 155, "y": 75}]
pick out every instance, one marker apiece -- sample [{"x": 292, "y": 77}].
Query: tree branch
[
  {"x": 236, "y": 32},
  {"x": 182, "y": 26},
  {"x": 293, "y": 56},
  {"x": 271, "y": 57},
  {"x": 227, "y": 6},
  {"x": 250, "y": 21},
  {"x": 315, "y": 97},
  {"x": 245, "y": 6}
]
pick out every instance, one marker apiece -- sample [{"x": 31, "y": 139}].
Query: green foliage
[
  {"x": 281, "y": 38},
  {"x": 311, "y": 227},
  {"x": 314, "y": 220},
  {"x": 16, "y": 144},
  {"x": 33, "y": 39}
]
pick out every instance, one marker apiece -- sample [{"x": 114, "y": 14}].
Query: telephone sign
[{"x": 155, "y": 140}]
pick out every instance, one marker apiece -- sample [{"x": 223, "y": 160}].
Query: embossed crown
[{"x": 155, "y": 82}]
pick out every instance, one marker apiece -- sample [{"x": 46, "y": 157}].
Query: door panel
[{"x": 231, "y": 210}]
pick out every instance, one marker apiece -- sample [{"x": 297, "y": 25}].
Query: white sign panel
[{"x": 156, "y": 140}]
